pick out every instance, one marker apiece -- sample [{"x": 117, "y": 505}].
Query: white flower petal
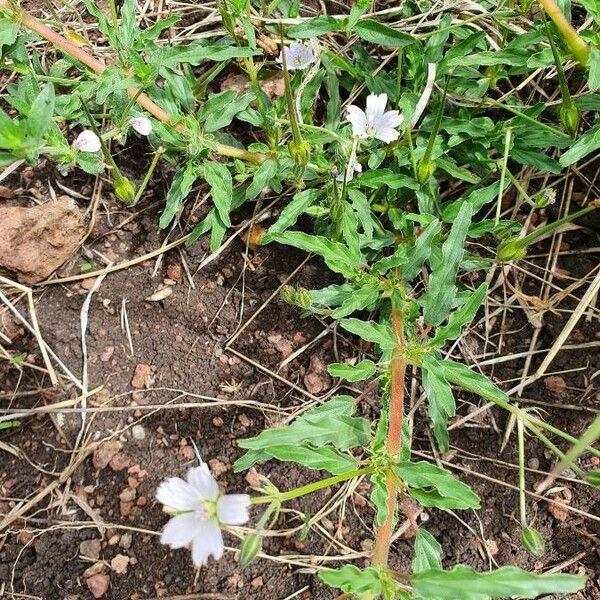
[
  {"x": 298, "y": 56},
  {"x": 358, "y": 119},
  {"x": 142, "y": 125},
  {"x": 232, "y": 509},
  {"x": 390, "y": 119},
  {"x": 178, "y": 494},
  {"x": 208, "y": 540},
  {"x": 375, "y": 107},
  {"x": 87, "y": 141},
  {"x": 205, "y": 485},
  {"x": 386, "y": 135},
  {"x": 180, "y": 530}
]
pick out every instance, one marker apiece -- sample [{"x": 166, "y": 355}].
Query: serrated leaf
[
  {"x": 352, "y": 580},
  {"x": 379, "y": 494},
  {"x": 329, "y": 427},
  {"x": 376, "y": 333},
  {"x": 314, "y": 27},
  {"x": 442, "y": 289},
  {"x": 433, "y": 486},
  {"x": 467, "y": 584},
  {"x": 420, "y": 251},
  {"x": 290, "y": 213},
  {"x": 459, "y": 318},
  {"x": 41, "y": 113},
  {"x": 181, "y": 186},
  {"x": 8, "y": 32},
  {"x": 589, "y": 142},
  {"x": 337, "y": 256},
  {"x": 362, "y": 370},
  {"x": 262, "y": 177},
  {"x": 428, "y": 552},
  {"x": 377, "y": 178},
  {"x": 440, "y": 400},
  {"x": 364, "y": 297},
  {"x": 218, "y": 177},
  {"x": 195, "y": 53},
  {"x": 220, "y": 109},
  {"x": 377, "y": 33}
]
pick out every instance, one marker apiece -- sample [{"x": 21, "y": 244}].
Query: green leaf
[
  {"x": 313, "y": 439},
  {"x": 467, "y": 584},
  {"x": 370, "y": 331},
  {"x": 181, "y": 186},
  {"x": 337, "y": 256},
  {"x": 218, "y": 177},
  {"x": 594, "y": 72},
  {"x": 39, "y": 117},
  {"x": 319, "y": 459},
  {"x": 382, "y": 35},
  {"x": 461, "y": 317},
  {"x": 377, "y": 178},
  {"x": 315, "y": 27},
  {"x": 220, "y": 109},
  {"x": 428, "y": 552},
  {"x": 352, "y": 580},
  {"x": 8, "y": 32},
  {"x": 290, "y": 213},
  {"x": 365, "y": 369},
  {"x": 433, "y": 486},
  {"x": 366, "y": 295},
  {"x": 440, "y": 399},
  {"x": 262, "y": 177},
  {"x": 195, "y": 53},
  {"x": 589, "y": 142},
  {"x": 477, "y": 199},
  {"x": 379, "y": 494},
  {"x": 90, "y": 162},
  {"x": 420, "y": 252},
  {"x": 442, "y": 289}
]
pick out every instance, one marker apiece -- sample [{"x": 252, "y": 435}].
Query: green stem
[
  {"x": 507, "y": 140},
  {"x": 311, "y": 487},
  {"x": 159, "y": 152}
]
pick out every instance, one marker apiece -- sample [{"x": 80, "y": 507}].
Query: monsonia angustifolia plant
[{"x": 397, "y": 154}]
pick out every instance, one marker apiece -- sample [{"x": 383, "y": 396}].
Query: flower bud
[
  {"x": 511, "y": 249},
  {"x": 142, "y": 125},
  {"x": 299, "y": 151},
  {"x": 250, "y": 547},
  {"x": 569, "y": 116},
  {"x": 533, "y": 542},
  {"x": 87, "y": 141},
  {"x": 545, "y": 198},
  {"x": 593, "y": 478},
  {"x": 425, "y": 170},
  {"x": 124, "y": 189}
]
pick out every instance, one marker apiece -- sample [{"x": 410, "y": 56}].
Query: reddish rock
[
  {"x": 98, "y": 584},
  {"x": 105, "y": 453},
  {"x": 142, "y": 372},
  {"x": 35, "y": 241}
]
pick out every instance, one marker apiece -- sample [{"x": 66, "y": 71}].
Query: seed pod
[
  {"x": 425, "y": 170},
  {"x": 124, "y": 189},
  {"x": 300, "y": 152},
  {"x": 533, "y": 542},
  {"x": 251, "y": 546},
  {"x": 511, "y": 249},
  {"x": 569, "y": 116}
]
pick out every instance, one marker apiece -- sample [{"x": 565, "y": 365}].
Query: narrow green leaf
[
  {"x": 377, "y": 333},
  {"x": 320, "y": 459},
  {"x": 377, "y": 33},
  {"x": 180, "y": 188},
  {"x": 352, "y": 580},
  {"x": 364, "y": 297},
  {"x": 420, "y": 252},
  {"x": 440, "y": 295},
  {"x": 461, "y": 317},
  {"x": 41, "y": 113},
  {"x": 433, "y": 486},
  {"x": 365, "y": 369},
  {"x": 262, "y": 177},
  {"x": 589, "y": 142},
  {"x": 315, "y": 27},
  {"x": 290, "y": 213},
  {"x": 465, "y": 583},
  {"x": 428, "y": 552},
  {"x": 218, "y": 177},
  {"x": 379, "y": 494}
]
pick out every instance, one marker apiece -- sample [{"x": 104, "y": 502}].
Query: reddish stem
[{"x": 394, "y": 438}]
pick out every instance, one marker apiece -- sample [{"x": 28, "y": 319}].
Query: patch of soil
[{"x": 151, "y": 355}]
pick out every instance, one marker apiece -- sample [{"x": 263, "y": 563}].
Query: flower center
[{"x": 371, "y": 129}]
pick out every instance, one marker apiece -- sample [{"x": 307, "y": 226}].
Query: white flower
[
  {"x": 142, "y": 125},
  {"x": 200, "y": 509},
  {"x": 348, "y": 174},
  {"x": 87, "y": 141},
  {"x": 375, "y": 122},
  {"x": 297, "y": 56}
]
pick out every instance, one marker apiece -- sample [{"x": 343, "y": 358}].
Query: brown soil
[{"x": 179, "y": 352}]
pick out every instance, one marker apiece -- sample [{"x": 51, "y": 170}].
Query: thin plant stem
[
  {"x": 521, "y": 449},
  {"x": 507, "y": 141},
  {"x": 159, "y": 152},
  {"x": 310, "y": 487}
]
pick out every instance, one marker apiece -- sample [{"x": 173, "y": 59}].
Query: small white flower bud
[
  {"x": 87, "y": 141},
  {"x": 142, "y": 125}
]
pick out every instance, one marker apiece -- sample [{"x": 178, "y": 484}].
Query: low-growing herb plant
[{"x": 396, "y": 151}]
